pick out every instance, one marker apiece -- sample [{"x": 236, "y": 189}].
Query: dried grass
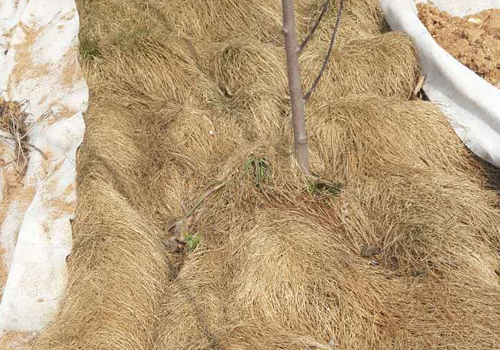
[
  {"x": 368, "y": 136},
  {"x": 16, "y": 130},
  {"x": 13, "y": 124},
  {"x": 383, "y": 65},
  {"x": 256, "y": 104},
  {"x": 219, "y": 20},
  {"x": 282, "y": 276},
  {"x": 116, "y": 272},
  {"x": 361, "y": 19},
  {"x": 280, "y": 263},
  {"x": 157, "y": 76}
]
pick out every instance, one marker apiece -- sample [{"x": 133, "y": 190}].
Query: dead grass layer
[
  {"x": 13, "y": 125},
  {"x": 188, "y": 96}
]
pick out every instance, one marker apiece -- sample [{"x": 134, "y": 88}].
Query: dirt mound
[
  {"x": 396, "y": 248},
  {"x": 474, "y": 40}
]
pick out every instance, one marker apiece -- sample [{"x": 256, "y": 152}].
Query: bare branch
[
  {"x": 329, "y": 54},
  {"x": 316, "y": 25}
]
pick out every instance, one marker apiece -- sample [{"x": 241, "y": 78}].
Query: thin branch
[
  {"x": 176, "y": 225},
  {"x": 37, "y": 149},
  {"x": 25, "y": 143},
  {"x": 329, "y": 54},
  {"x": 316, "y": 25},
  {"x": 205, "y": 196},
  {"x": 39, "y": 122}
]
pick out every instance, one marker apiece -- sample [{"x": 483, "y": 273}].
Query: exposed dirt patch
[
  {"x": 25, "y": 68},
  {"x": 15, "y": 340},
  {"x": 473, "y": 40}
]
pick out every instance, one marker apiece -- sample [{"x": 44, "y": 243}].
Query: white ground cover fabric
[
  {"x": 471, "y": 104},
  {"x": 39, "y": 67}
]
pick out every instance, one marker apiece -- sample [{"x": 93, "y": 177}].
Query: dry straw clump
[
  {"x": 237, "y": 63},
  {"x": 359, "y": 136},
  {"x": 320, "y": 287},
  {"x": 116, "y": 272},
  {"x": 360, "y": 19},
  {"x": 13, "y": 124},
  {"x": 158, "y": 75},
  {"x": 257, "y": 104},
  {"x": 384, "y": 65},
  {"x": 219, "y": 20},
  {"x": 397, "y": 247}
]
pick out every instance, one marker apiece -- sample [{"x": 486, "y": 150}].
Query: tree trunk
[{"x": 297, "y": 100}]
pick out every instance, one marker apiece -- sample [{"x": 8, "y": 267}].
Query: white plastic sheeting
[
  {"x": 471, "y": 104},
  {"x": 38, "y": 66}
]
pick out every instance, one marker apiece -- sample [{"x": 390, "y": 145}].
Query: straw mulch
[{"x": 397, "y": 248}]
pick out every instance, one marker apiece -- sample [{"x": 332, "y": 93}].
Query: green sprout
[
  {"x": 192, "y": 241},
  {"x": 259, "y": 169}
]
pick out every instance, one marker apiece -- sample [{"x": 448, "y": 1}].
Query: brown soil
[
  {"x": 473, "y": 40},
  {"x": 15, "y": 340}
]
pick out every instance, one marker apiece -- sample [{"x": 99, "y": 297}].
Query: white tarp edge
[
  {"x": 38, "y": 65},
  {"x": 471, "y": 103}
]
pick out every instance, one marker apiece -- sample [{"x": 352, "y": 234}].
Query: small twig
[
  {"x": 316, "y": 25},
  {"x": 39, "y": 123},
  {"x": 420, "y": 83},
  {"x": 37, "y": 149},
  {"x": 25, "y": 143},
  {"x": 203, "y": 197},
  {"x": 330, "y": 50},
  {"x": 193, "y": 52},
  {"x": 21, "y": 173},
  {"x": 176, "y": 224}
]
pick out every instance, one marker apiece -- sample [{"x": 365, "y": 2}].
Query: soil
[
  {"x": 474, "y": 40},
  {"x": 15, "y": 340}
]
